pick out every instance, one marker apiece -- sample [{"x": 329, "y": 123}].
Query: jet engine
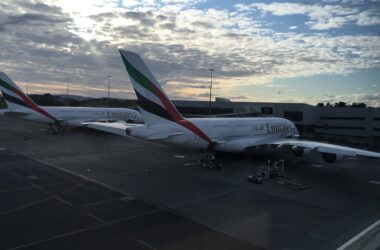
[
  {"x": 331, "y": 158},
  {"x": 298, "y": 151}
]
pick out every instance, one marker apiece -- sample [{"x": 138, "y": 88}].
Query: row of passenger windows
[
  {"x": 298, "y": 116},
  {"x": 242, "y": 126},
  {"x": 346, "y": 118}
]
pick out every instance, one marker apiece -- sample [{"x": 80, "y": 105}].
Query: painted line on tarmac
[
  {"x": 317, "y": 165},
  {"x": 83, "y": 156},
  {"x": 78, "y": 175},
  {"x": 374, "y": 182},
  {"x": 191, "y": 163},
  {"x": 159, "y": 206},
  {"x": 102, "y": 224},
  {"x": 358, "y": 236},
  {"x": 99, "y": 182},
  {"x": 3, "y": 149}
]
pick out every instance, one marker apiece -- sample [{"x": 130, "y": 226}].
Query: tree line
[{"x": 343, "y": 105}]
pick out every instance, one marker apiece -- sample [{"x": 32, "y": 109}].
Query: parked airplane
[
  {"x": 163, "y": 123},
  {"x": 22, "y": 107}
]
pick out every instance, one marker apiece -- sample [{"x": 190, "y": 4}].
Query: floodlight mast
[
  {"x": 109, "y": 88},
  {"x": 67, "y": 86},
  {"x": 209, "y": 104}
]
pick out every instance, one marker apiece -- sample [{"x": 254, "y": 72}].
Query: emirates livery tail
[
  {"x": 154, "y": 103},
  {"x": 17, "y": 101}
]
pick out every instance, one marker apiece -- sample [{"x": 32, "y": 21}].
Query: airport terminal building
[{"x": 352, "y": 124}]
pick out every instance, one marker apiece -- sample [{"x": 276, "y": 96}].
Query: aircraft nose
[{"x": 295, "y": 131}]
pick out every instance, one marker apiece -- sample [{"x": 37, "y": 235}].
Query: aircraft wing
[
  {"x": 13, "y": 113},
  {"x": 117, "y": 128},
  {"x": 161, "y": 136},
  {"x": 322, "y": 147},
  {"x": 82, "y": 122}
]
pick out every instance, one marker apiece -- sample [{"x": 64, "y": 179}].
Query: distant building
[{"x": 222, "y": 99}]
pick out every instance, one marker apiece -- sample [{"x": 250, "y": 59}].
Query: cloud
[
  {"x": 369, "y": 17},
  {"x": 321, "y": 17},
  {"x": 144, "y": 18},
  {"x": 48, "y": 41},
  {"x": 352, "y": 2},
  {"x": 32, "y": 19},
  {"x": 40, "y": 48},
  {"x": 204, "y": 25},
  {"x": 205, "y": 94},
  {"x": 194, "y": 86}
]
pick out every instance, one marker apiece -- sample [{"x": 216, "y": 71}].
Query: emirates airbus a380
[
  {"x": 22, "y": 107},
  {"x": 164, "y": 124}
]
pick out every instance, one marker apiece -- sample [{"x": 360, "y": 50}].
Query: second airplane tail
[
  {"x": 12, "y": 94},
  {"x": 16, "y": 99}
]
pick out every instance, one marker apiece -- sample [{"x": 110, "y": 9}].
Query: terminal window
[
  {"x": 341, "y": 118},
  {"x": 293, "y": 115},
  {"x": 266, "y": 110}
]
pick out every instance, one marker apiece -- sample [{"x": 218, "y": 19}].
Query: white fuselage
[
  {"x": 74, "y": 116},
  {"x": 232, "y": 134}
]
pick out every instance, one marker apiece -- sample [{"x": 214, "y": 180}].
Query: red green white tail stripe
[
  {"x": 154, "y": 103},
  {"x": 14, "y": 96}
]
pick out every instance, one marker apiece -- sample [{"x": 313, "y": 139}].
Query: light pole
[
  {"x": 109, "y": 88},
  {"x": 67, "y": 86},
  {"x": 209, "y": 104}
]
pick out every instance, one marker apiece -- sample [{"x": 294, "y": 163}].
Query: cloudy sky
[{"x": 283, "y": 51}]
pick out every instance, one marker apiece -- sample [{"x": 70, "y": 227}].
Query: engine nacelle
[
  {"x": 331, "y": 158},
  {"x": 298, "y": 151}
]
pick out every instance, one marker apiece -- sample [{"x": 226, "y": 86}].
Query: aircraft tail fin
[
  {"x": 154, "y": 104},
  {"x": 16, "y": 99},
  {"x": 12, "y": 94}
]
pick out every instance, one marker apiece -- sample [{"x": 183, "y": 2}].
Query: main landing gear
[
  {"x": 208, "y": 160},
  {"x": 56, "y": 128}
]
